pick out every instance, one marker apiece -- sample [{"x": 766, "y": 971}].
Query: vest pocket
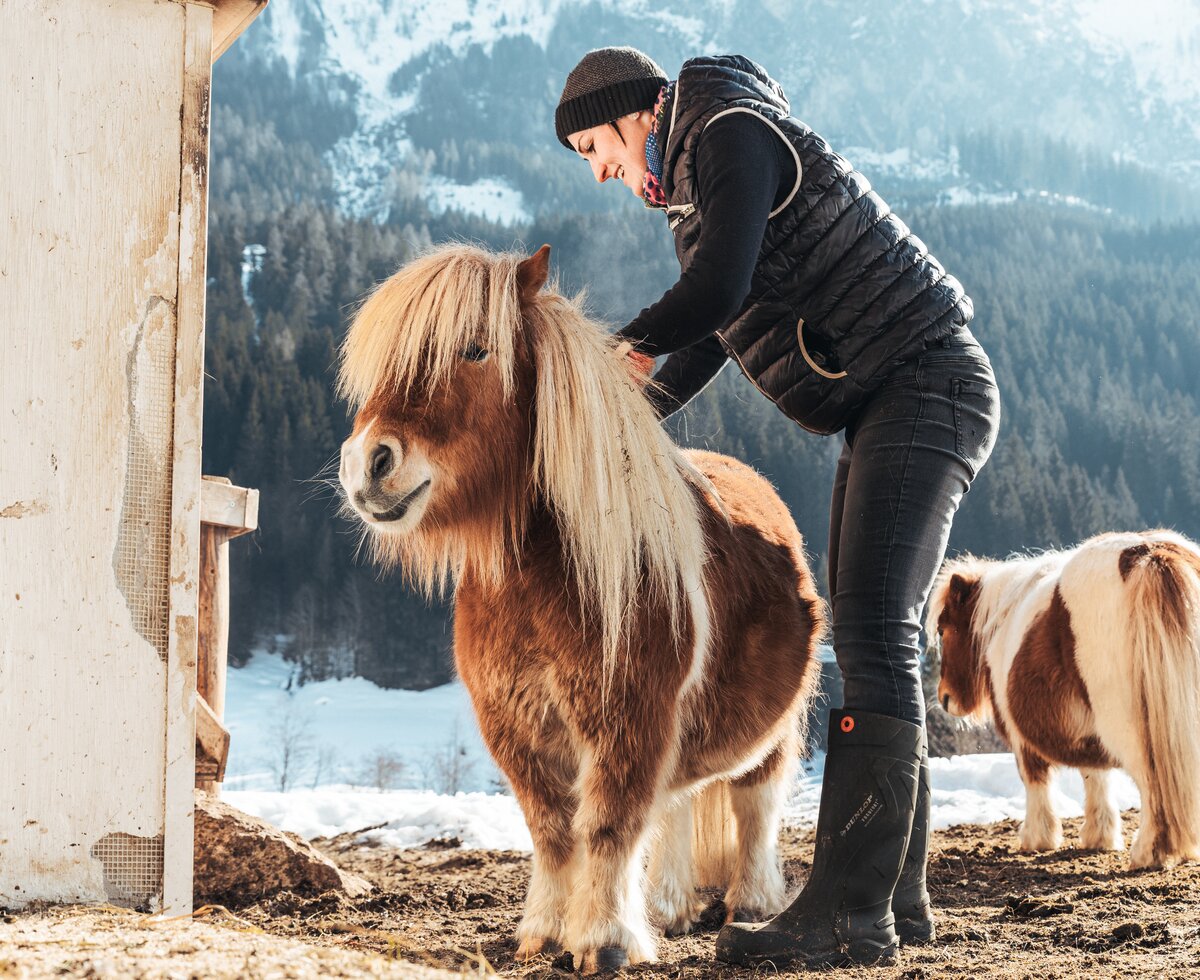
[{"x": 819, "y": 355}]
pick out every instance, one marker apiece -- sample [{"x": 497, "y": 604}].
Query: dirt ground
[{"x": 1001, "y": 914}]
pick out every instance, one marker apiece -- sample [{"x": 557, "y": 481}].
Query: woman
[{"x": 794, "y": 268}]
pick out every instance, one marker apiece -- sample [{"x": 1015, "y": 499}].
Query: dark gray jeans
[{"x": 910, "y": 455}]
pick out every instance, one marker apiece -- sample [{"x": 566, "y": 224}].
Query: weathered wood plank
[
  {"x": 214, "y": 627},
  {"x": 196, "y": 46},
  {"x": 212, "y": 745}
]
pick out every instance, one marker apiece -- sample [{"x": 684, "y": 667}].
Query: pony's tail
[
  {"x": 714, "y": 837},
  {"x": 1164, "y": 623}
]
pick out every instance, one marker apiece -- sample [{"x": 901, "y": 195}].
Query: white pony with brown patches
[
  {"x": 636, "y": 625},
  {"x": 1088, "y": 658}
]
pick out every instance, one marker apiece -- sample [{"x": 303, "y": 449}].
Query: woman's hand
[{"x": 640, "y": 365}]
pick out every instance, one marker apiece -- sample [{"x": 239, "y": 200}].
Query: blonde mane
[{"x": 624, "y": 496}]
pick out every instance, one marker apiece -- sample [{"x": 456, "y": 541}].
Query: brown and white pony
[
  {"x": 636, "y": 624},
  {"x": 1088, "y": 658}
]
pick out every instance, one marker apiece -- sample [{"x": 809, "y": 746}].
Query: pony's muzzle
[
  {"x": 381, "y": 481},
  {"x": 366, "y": 464}
]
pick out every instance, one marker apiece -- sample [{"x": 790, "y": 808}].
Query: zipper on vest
[{"x": 677, "y": 212}]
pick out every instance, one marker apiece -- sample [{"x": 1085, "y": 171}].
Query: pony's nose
[{"x": 382, "y": 460}]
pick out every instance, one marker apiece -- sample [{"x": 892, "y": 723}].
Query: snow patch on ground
[
  {"x": 358, "y": 718},
  {"x": 409, "y": 818}
]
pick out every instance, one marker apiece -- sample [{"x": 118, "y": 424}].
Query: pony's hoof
[
  {"x": 606, "y": 959},
  {"x": 1101, "y": 839},
  {"x": 537, "y": 946},
  {"x": 1034, "y": 842}
]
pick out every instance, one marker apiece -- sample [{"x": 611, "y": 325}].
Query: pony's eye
[{"x": 473, "y": 352}]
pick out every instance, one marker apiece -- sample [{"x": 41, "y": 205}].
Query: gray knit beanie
[{"x": 606, "y": 84}]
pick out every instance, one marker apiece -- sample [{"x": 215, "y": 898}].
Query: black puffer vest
[{"x": 842, "y": 290}]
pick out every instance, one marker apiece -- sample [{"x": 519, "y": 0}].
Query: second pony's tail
[{"x": 1164, "y": 581}]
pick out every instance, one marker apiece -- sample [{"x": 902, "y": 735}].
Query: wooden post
[{"x": 226, "y": 512}]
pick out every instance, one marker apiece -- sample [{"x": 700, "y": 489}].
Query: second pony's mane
[{"x": 621, "y": 491}]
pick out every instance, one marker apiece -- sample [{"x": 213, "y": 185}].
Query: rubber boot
[
  {"x": 910, "y": 903},
  {"x": 843, "y": 914}
]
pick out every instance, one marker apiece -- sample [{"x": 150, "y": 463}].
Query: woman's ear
[{"x": 532, "y": 274}]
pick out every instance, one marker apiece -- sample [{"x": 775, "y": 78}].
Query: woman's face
[{"x": 612, "y": 154}]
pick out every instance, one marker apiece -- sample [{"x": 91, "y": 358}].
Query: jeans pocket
[{"x": 976, "y": 420}]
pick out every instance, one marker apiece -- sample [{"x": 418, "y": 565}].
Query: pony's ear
[
  {"x": 960, "y": 591},
  {"x": 533, "y": 273}
]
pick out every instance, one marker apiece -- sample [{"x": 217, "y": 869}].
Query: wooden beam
[
  {"x": 227, "y": 506},
  {"x": 213, "y": 626},
  {"x": 212, "y": 746},
  {"x": 230, "y": 18}
]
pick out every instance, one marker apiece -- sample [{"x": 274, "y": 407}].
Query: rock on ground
[{"x": 241, "y": 859}]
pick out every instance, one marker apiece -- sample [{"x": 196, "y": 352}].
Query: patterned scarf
[{"x": 652, "y": 190}]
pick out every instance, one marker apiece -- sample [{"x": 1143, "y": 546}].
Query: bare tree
[
  {"x": 449, "y": 769},
  {"x": 290, "y": 746},
  {"x": 324, "y": 763},
  {"x": 383, "y": 768}
]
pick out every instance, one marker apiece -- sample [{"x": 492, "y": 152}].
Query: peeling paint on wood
[{"x": 22, "y": 508}]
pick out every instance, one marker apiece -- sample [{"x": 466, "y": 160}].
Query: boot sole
[{"x": 863, "y": 953}]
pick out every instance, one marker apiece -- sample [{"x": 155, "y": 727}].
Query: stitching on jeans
[
  {"x": 956, "y": 390},
  {"x": 887, "y": 572}
]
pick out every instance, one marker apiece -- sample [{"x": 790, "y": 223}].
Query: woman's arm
[
  {"x": 741, "y": 167},
  {"x": 685, "y": 374}
]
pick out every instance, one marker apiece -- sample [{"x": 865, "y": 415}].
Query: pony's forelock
[{"x": 414, "y": 326}]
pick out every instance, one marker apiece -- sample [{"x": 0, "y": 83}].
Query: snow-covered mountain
[{"x": 905, "y": 79}]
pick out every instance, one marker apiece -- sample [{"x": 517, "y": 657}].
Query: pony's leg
[
  {"x": 1149, "y": 843},
  {"x": 1101, "y": 821},
  {"x": 756, "y": 890},
  {"x": 541, "y": 927},
  {"x": 543, "y": 783},
  {"x": 672, "y": 880},
  {"x": 1041, "y": 829},
  {"x": 547, "y": 799},
  {"x": 620, "y": 799}
]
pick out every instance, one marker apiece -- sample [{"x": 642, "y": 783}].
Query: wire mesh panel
[
  {"x": 142, "y": 559},
  {"x": 133, "y": 869}
]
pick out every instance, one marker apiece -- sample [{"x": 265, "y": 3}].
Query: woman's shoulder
[{"x": 737, "y": 76}]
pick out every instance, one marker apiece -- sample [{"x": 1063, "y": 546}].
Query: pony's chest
[{"x": 504, "y": 634}]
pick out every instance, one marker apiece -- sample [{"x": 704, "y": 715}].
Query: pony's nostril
[
  {"x": 945, "y": 702},
  {"x": 381, "y": 462}
]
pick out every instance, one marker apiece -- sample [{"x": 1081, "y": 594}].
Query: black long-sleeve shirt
[{"x": 743, "y": 170}]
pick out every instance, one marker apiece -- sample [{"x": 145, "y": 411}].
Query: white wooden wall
[{"x": 103, "y": 145}]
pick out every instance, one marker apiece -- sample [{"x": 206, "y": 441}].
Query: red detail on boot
[{"x": 847, "y": 724}]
